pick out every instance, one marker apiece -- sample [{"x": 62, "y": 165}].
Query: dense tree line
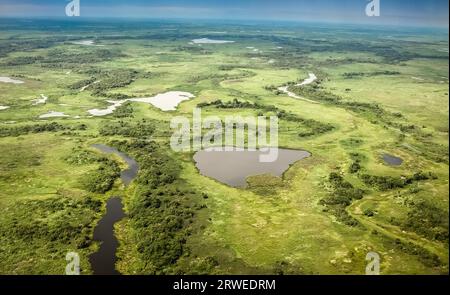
[
  {"x": 141, "y": 129},
  {"x": 23, "y": 60},
  {"x": 385, "y": 183},
  {"x": 38, "y": 128},
  {"x": 113, "y": 79},
  {"x": 351, "y": 75},
  {"x": 314, "y": 127},
  {"x": 218, "y": 77},
  {"x": 104, "y": 81},
  {"x": 59, "y": 58},
  {"x": 6, "y": 46}
]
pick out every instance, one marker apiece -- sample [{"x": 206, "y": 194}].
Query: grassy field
[{"x": 381, "y": 95}]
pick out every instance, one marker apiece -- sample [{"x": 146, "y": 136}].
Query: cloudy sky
[{"x": 402, "y": 12}]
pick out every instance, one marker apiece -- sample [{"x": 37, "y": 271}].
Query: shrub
[
  {"x": 101, "y": 180},
  {"x": 342, "y": 196}
]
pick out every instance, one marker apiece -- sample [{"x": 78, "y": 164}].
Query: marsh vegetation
[{"x": 321, "y": 215}]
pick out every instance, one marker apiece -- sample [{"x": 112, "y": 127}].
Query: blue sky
[{"x": 402, "y": 12}]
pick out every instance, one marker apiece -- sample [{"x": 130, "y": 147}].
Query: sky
[{"x": 393, "y": 12}]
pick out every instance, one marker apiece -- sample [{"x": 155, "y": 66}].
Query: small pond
[{"x": 392, "y": 160}]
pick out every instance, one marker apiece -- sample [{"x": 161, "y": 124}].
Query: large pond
[{"x": 234, "y": 167}]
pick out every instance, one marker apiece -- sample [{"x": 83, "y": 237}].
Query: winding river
[
  {"x": 285, "y": 89},
  {"x": 104, "y": 260}
]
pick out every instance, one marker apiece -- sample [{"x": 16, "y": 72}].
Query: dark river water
[
  {"x": 128, "y": 174},
  {"x": 392, "y": 160},
  {"x": 103, "y": 262},
  {"x": 233, "y": 168}
]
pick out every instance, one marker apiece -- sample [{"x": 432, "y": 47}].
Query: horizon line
[{"x": 257, "y": 20}]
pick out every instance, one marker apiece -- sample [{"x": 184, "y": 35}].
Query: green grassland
[{"x": 379, "y": 95}]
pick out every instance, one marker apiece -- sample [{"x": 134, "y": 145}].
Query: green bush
[
  {"x": 428, "y": 220},
  {"x": 55, "y": 220},
  {"x": 385, "y": 183},
  {"x": 342, "y": 196},
  {"x": 369, "y": 212},
  {"x": 102, "y": 179},
  {"x": 144, "y": 128},
  {"x": 80, "y": 156},
  {"x": 354, "y": 167},
  {"x": 124, "y": 111}
]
